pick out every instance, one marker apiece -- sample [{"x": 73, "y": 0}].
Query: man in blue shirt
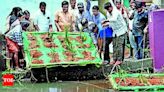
[
  {"x": 97, "y": 16},
  {"x": 140, "y": 17},
  {"x": 82, "y": 13}
]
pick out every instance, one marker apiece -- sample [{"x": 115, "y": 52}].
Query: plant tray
[
  {"x": 152, "y": 80},
  {"x": 51, "y": 49}
]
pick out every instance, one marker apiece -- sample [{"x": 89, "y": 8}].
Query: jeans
[
  {"x": 138, "y": 49},
  {"x": 132, "y": 42}
]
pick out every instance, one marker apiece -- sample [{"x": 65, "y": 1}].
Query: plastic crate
[
  {"x": 44, "y": 50},
  {"x": 135, "y": 88}
]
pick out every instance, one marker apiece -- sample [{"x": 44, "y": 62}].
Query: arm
[
  {"x": 36, "y": 24},
  {"x": 131, "y": 16},
  {"x": 146, "y": 29},
  {"x": 73, "y": 23},
  {"x": 112, "y": 3},
  {"x": 57, "y": 26},
  {"x": 50, "y": 28},
  {"x": 88, "y": 6},
  {"x": 56, "y": 22}
]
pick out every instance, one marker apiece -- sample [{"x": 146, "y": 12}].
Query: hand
[
  {"x": 51, "y": 30},
  {"x": 99, "y": 51},
  {"x": 145, "y": 29}
]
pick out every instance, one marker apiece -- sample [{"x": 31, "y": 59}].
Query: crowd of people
[{"x": 119, "y": 26}]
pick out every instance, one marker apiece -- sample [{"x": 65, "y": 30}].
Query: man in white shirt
[
  {"x": 73, "y": 7},
  {"x": 118, "y": 24},
  {"x": 42, "y": 21}
]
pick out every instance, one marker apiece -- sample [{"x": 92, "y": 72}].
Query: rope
[
  {"x": 47, "y": 75},
  {"x": 32, "y": 76},
  {"x": 103, "y": 57}
]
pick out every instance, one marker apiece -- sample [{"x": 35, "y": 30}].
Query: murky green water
[{"x": 67, "y": 86}]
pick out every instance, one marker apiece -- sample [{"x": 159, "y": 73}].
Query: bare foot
[
  {"x": 112, "y": 63},
  {"x": 117, "y": 63}
]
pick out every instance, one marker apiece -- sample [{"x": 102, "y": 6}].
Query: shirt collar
[{"x": 97, "y": 16}]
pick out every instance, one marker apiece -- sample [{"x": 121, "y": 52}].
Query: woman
[
  {"x": 14, "y": 39},
  {"x": 28, "y": 21},
  {"x": 10, "y": 20}
]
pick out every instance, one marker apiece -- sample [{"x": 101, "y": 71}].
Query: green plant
[
  {"x": 122, "y": 75},
  {"x": 143, "y": 79},
  {"x": 67, "y": 41}
]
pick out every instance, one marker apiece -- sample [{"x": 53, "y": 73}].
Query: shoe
[
  {"x": 105, "y": 62},
  {"x": 117, "y": 63}
]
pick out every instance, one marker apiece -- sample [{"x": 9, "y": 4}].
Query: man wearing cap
[
  {"x": 118, "y": 24},
  {"x": 140, "y": 20},
  {"x": 64, "y": 18},
  {"x": 82, "y": 13}
]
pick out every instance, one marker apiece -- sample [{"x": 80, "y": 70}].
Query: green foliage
[{"x": 67, "y": 41}]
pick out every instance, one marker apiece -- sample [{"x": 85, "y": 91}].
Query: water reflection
[{"x": 73, "y": 86}]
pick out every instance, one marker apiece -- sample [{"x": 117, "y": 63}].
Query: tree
[{"x": 101, "y": 5}]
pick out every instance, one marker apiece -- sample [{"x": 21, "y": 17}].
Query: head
[
  {"x": 27, "y": 14},
  {"x": 118, "y": 4},
  {"x": 132, "y": 4},
  {"x": 42, "y": 7},
  {"x": 73, "y": 3},
  {"x": 95, "y": 10},
  {"x": 84, "y": 22},
  {"x": 108, "y": 7},
  {"x": 93, "y": 28},
  {"x": 80, "y": 7},
  {"x": 139, "y": 6},
  {"x": 20, "y": 15},
  {"x": 15, "y": 11},
  {"x": 65, "y": 6},
  {"x": 25, "y": 24}
]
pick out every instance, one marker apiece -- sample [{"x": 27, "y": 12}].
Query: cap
[
  {"x": 80, "y": 5},
  {"x": 138, "y": 4},
  {"x": 84, "y": 21}
]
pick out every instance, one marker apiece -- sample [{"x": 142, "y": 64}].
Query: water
[
  {"x": 71, "y": 86},
  {"x": 31, "y": 5}
]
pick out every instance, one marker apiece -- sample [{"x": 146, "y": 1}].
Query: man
[
  {"x": 27, "y": 21},
  {"x": 122, "y": 10},
  {"x": 73, "y": 7},
  {"x": 140, "y": 20},
  {"x": 117, "y": 22},
  {"x": 97, "y": 16},
  {"x": 42, "y": 20},
  {"x": 130, "y": 26},
  {"x": 64, "y": 18},
  {"x": 82, "y": 13}
]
